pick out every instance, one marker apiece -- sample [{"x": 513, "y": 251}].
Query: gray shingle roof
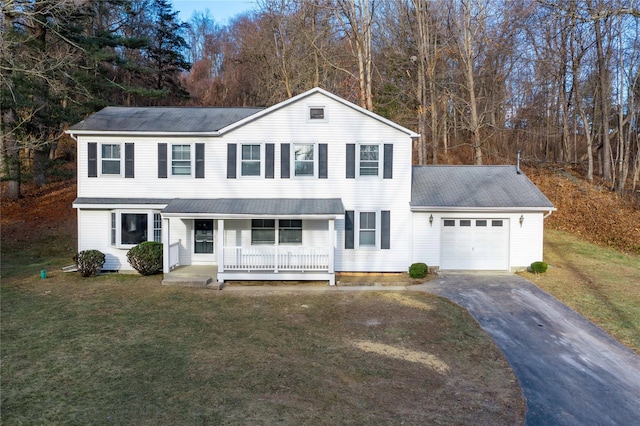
[
  {"x": 258, "y": 206},
  {"x": 95, "y": 200},
  {"x": 163, "y": 119},
  {"x": 474, "y": 186}
]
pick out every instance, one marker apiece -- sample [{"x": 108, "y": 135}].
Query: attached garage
[
  {"x": 474, "y": 244},
  {"x": 483, "y": 218}
]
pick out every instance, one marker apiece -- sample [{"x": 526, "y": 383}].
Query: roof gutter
[
  {"x": 480, "y": 209},
  {"x": 135, "y": 133}
]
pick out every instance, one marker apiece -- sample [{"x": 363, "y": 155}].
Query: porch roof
[{"x": 292, "y": 207}]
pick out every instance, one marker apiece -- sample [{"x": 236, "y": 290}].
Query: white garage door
[{"x": 475, "y": 244}]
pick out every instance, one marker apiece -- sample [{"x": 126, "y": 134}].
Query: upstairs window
[
  {"x": 369, "y": 160},
  {"x": 110, "y": 159},
  {"x": 303, "y": 159},
  {"x": 181, "y": 160},
  {"x": 250, "y": 160},
  {"x": 316, "y": 113}
]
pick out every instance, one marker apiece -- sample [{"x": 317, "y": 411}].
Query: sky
[{"x": 220, "y": 10}]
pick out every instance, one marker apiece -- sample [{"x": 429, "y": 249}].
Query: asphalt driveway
[{"x": 571, "y": 372}]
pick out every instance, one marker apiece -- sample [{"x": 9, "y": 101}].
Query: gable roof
[
  {"x": 212, "y": 121},
  {"x": 474, "y": 187},
  {"x": 328, "y": 95},
  {"x": 162, "y": 119}
]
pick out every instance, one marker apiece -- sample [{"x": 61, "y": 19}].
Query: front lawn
[
  {"x": 600, "y": 283},
  {"x": 126, "y": 350}
]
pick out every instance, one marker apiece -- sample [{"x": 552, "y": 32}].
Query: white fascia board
[
  {"x": 336, "y": 98},
  {"x": 119, "y": 206},
  {"x": 481, "y": 209},
  {"x": 250, "y": 216},
  {"x": 133, "y": 133}
]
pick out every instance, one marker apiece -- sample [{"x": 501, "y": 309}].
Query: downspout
[{"x": 547, "y": 215}]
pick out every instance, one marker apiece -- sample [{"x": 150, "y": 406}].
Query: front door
[{"x": 203, "y": 242}]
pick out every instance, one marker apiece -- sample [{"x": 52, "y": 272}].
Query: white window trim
[
  {"x": 192, "y": 160},
  {"x": 262, "y": 160},
  {"x": 378, "y": 229},
  {"x": 317, "y": 120},
  {"x": 380, "y": 160},
  {"x": 316, "y": 160},
  {"x": 118, "y": 224},
  {"x": 114, "y": 175}
]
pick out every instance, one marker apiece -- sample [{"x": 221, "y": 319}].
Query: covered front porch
[{"x": 255, "y": 239}]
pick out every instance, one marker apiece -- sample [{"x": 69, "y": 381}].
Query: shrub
[
  {"x": 89, "y": 262},
  {"x": 146, "y": 257},
  {"x": 539, "y": 267},
  {"x": 418, "y": 270}
]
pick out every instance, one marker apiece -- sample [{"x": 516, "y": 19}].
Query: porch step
[{"x": 187, "y": 281}]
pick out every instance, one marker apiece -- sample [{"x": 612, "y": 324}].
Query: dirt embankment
[{"x": 588, "y": 210}]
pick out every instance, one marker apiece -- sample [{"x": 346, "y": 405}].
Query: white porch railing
[
  {"x": 276, "y": 258},
  {"x": 174, "y": 255}
]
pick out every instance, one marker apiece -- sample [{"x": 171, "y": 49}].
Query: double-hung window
[
  {"x": 250, "y": 161},
  {"x": 303, "y": 155},
  {"x": 367, "y": 237},
  {"x": 181, "y": 160},
  {"x": 288, "y": 231},
  {"x": 110, "y": 159},
  {"x": 369, "y": 160},
  {"x": 263, "y": 231}
]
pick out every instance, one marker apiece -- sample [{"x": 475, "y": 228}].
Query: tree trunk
[{"x": 10, "y": 155}]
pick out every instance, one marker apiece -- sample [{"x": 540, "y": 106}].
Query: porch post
[
  {"x": 332, "y": 251},
  {"x": 166, "y": 262},
  {"x": 220, "y": 245}
]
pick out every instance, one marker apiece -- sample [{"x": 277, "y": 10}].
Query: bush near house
[
  {"x": 539, "y": 267},
  {"x": 418, "y": 270},
  {"x": 89, "y": 262},
  {"x": 146, "y": 258}
]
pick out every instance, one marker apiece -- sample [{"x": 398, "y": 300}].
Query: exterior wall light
[
  {"x": 521, "y": 220},
  {"x": 431, "y": 220}
]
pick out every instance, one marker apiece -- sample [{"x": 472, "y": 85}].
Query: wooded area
[{"x": 478, "y": 79}]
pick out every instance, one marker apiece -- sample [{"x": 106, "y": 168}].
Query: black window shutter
[
  {"x": 162, "y": 160},
  {"x": 285, "y": 154},
  {"x": 388, "y": 161},
  {"x": 92, "y": 156},
  {"x": 385, "y": 240},
  {"x": 200, "y": 160},
  {"x": 351, "y": 161},
  {"x": 348, "y": 229},
  {"x": 322, "y": 166},
  {"x": 232, "y": 152},
  {"x": 128, "y": 160},
  {"x": 269, "y": 153}
]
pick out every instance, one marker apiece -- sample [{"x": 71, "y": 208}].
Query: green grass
[
  {"x": 599, "y": 282},
  {"x": 123, "y": 349}
]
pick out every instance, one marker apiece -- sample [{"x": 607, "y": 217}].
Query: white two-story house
[{"x": 298, "y": 191}]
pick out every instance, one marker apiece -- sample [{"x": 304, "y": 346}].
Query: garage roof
[{"x": 484, "y": 187}]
